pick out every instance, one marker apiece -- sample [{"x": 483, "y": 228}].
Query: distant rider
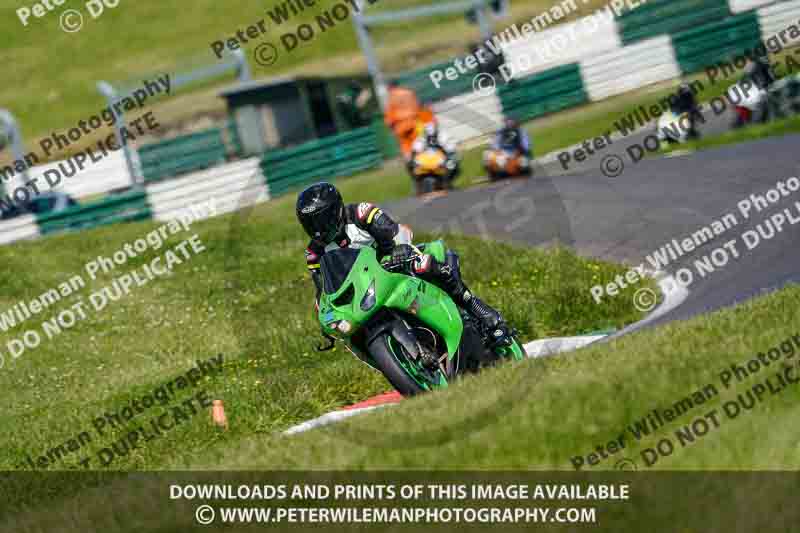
[
  {"x": 760, "y": 71},
  {"x": 685, "y": 102},
  {"x": 512, "y": 137},
  {"x": 432, "y": 138},
  {"x": 332, "y": 224}
]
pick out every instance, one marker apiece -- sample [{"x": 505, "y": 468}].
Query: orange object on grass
[{"x": 218, "y": 414}]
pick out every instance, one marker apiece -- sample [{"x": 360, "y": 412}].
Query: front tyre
[
  {"x": 515, "y": 351},
  {"x": 426, "y": 185},
  {"x": 406, "y": 374}
]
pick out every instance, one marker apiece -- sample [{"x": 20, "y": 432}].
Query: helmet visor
[{"x": 323, "y": 224}]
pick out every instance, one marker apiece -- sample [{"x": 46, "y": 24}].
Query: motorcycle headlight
[
  {"x": 344, "y": 326},
  {"x": 368, "y": 301}
]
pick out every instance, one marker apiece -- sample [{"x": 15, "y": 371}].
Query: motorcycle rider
[
  {"x": 684, "y": 101},
  {"x": 512, "y": 137},
  {"x": 332, "y": 224},
  {"x": 432, "y": 138},
  {"x": 760, "y": 71}
]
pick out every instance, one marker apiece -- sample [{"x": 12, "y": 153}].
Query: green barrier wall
[
  {"x": 338, "y": 155},
  {"x": 420, "y": 82},
  {"x": 545, "y": 92},
  {"x": 123, "y": 207},
  {"x": 658, "y": 17},
  {"x": 182, "y": 154},
  {"x": 700, "y": 47}
]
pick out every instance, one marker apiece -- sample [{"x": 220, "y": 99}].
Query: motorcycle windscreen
[{"x": 335, "y": 266}]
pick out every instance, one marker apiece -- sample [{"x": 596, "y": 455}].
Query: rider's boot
[{"x": 449, "y": 276}]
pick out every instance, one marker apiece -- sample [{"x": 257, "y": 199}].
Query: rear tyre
[
  {"x": 406, "y": 375},
  {"x": 475, "y": 354}
]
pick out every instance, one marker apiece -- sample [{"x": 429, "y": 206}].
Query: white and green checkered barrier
[
  {"x": 231, "y": 186},
  {"x": 18, "y": 229},
  {"x": 564, "y": 66},
  {"x": 699, "y": 33},
  {"x": 598, "y": 57},
  {"x": 664, "y": 39}
]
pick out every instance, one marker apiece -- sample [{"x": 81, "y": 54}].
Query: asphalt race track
[
  {"x": 713, "y": 124},
  {"x": 628, "y": 217}
]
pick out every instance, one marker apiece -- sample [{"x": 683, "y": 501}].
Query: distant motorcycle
[
  {"x": 783, "y": 97},
  {"x": 751, "y": 103},
  {"x": 673, "y": 127},
  {"x": 430, "y": 170},
  {"x": 505, "y": 163}
]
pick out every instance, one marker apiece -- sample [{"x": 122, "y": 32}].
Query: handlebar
[
  {"x": 405, "y": 261},
  {"x": 396, "y": 266}
]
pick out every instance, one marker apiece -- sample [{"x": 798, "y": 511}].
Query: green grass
[
  {"x": 113, "y": 47},
  {"x": 749, "y": 133},
  {"x": 249, "y": 299},
  {"x": 535, "y": 415},
  {"x": 563, "y": 407}
]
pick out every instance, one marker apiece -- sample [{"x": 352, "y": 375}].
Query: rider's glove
[{"x": 400, "y": 254}]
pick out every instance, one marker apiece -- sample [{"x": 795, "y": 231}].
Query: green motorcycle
[{"x": 406, "y": 328}]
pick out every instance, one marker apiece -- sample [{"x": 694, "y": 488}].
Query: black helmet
[{"x": 320, "y": 210}]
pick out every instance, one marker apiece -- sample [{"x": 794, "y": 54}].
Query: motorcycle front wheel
[{"x": 406, "y": 374}]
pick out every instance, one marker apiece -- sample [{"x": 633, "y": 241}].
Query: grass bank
[
  {"x": 565, "y": 407},
  {"x": 247, "y": 297},
  {"x": 166, "y": 36},
  {"x": 538, "y": 414}
]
